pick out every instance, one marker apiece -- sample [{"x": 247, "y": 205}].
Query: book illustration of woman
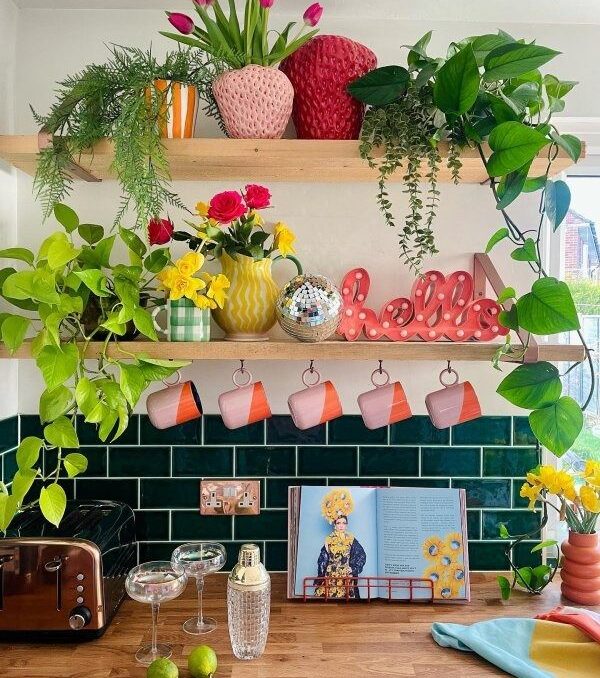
[{"x": 341, "y": 556}]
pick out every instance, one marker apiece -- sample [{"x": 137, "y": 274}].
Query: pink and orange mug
[
  {"x": 246, "y": 404},
  {"x": 316, "y": 404},
  {"x": 176, "y": 404},
  {"x": 453, "y": 404},
  {"x": 385, "y": 404}
]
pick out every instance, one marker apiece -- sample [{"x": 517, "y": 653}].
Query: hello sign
[{"x": 438, "y": 308}]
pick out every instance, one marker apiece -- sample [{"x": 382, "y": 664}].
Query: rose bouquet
[{"x": 180, "y": 281}]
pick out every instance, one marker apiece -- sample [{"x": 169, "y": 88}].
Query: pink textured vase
[
  {"x": 580, "y": 571},
  {"x": 255, "y": 102}
]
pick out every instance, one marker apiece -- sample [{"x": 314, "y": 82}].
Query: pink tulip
[
  {"x": 204, "y": 3},
  {"x": 313, "y": 14},
  {"x": 182, "y": 22},
  {"x": 267, "y": 4}
]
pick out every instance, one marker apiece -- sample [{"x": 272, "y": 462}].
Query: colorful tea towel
[{"x": 562, "y": 643}]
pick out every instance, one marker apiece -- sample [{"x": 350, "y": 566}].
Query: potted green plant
[
  {"x": 49, "y": 297},
  {"x": 254, "y": 98},
  {"x": 126, "y": 100}
]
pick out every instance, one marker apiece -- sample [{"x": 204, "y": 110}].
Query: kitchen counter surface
[{"x": 307, "y": 640}]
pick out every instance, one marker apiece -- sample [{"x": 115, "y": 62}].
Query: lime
[
  {"x": 162, "y": 668},
  {"x": 202, "y": 662}
]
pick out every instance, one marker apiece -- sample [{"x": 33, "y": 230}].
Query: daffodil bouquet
[{"x": 184, "y": 279}]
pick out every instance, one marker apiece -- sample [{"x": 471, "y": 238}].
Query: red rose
[
  {"x": 227, "y": 206},
  {"x": 160, "y": 231},
  {"x": 257, "y": 197}
]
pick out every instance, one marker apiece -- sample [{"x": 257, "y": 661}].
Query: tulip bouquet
[{"x": 205, "y": 290}]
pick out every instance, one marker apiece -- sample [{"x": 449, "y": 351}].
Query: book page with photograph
[
  {"x": 337, "y": 537},
  {"x": 421, "y": 532}
]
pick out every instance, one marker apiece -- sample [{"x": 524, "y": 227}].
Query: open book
[{"x": 396, "y": 532}]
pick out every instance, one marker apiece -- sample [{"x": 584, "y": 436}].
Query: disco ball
[{"x": 309, "y": 307}]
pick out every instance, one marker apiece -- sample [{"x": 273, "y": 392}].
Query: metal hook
[
  {"x": 311, "y": 367},
  {"x": 448, "y": 369},
  {"x": 242, "y": 366},
  {"x": 381, "y": 367}
]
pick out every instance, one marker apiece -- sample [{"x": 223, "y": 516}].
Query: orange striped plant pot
[
  {"x": 580, "y": 571},
  {"x": 178, "y": 109}
]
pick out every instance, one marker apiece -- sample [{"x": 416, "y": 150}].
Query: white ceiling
[{"x": 506, "y": 11}]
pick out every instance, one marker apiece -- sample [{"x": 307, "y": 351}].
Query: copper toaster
[{"x": 66, "y": 582}]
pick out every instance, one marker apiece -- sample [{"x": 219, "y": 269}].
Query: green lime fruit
[
  {"x": 202, "y": 662},
  {"x": 162, "y": 668}
]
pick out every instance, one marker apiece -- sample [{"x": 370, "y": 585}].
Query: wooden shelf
[
  {"x": 254, "y": 160},
  {"x": 326, "y": 350}
]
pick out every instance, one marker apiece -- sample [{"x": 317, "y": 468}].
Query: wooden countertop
[{"x": 306, "y": 640}]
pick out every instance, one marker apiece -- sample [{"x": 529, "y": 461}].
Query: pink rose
[
  {"x": 160, "y": 231},
  {"x": 182, "y": 22},
  {"x": 257, "y": 197},
  {"x": 313, "y": 14},
  {"x": 227, "y": 206}
]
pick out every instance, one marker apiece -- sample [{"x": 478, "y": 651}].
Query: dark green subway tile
[
  {"x": 169, "y": 493},
  {"x": 189, "y": 433},
  {"x": 67, "y": 484},
  {"x": 139, "y": 462},
  {"x": 265, "y": 461},
  {"x": 192, "y": 526},
  {"x": 152, "y": 525},
  {"x": 9, "y": 465},
  {"x": 509, "y": 461},
  {"x": 418, "y": 430},
  {"x": 277, "y": 489},
  {"x": 125, "y": 490},
  {"x": 327, "y": 461},
  {"x": 203, "y": 462},
  {"x": 474, "y": 524},
  {"x": 483, "y": 431},
  {"x": 420, "y": 482},
  {"x": 517, "y": 522},
  {"x": 9, "y": 433},
  {"x": 216, "y": 433},
  {"x": 389, "y": 461},
  {"x": 88, "y": 433},
  {"x": 281, "y": 430},
  {"x": 524, "y": 557},
  {"x": 96, "y": 457},
  {"x": 276, "y": 556},
  {"x": 485, "y": 493},
  {"x": 157, "y": 550},
  {"x": 491, "y": 556},
  {"x": 267, "y": 525},
  {"x": 522, "y": 433},
  {"x": 451, "y": 461},
  {"x": 359, "y": 482},
  {"x": 351, "y": 430},
  {"x": 31, "y": 426}
]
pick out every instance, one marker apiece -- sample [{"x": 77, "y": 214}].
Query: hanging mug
[
  {"x": 316, "y": 404},
  {"x": 453, "y": 404},
  {"x": 173, "y": 405},
  {"x": 246, "y": 404},
  {"x": 385, "y": 404}
]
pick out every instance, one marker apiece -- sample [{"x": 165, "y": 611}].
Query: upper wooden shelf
[
  {"x": 326, "y": 350},
  {"x": 256, "y": 160}
]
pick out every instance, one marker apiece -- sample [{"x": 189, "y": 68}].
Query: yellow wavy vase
[{"x": 249, "y": 311}]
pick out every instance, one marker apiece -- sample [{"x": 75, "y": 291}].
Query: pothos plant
[
  {"x": 49, "y": 295},
  {"x": 488, "y": 94}
]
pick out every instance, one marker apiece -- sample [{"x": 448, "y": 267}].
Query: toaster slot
[
  {"x": 55, "y": 565},
  {"x": 6, "y": 558}
]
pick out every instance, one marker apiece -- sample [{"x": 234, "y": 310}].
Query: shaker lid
[
  {"x": 249, "y": 555},
  {"x": 249, "y": 571}
]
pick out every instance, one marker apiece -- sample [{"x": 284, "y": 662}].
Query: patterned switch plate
[{"x": 229, "y": 497}]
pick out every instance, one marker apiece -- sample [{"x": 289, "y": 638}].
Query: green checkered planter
[{"x": 185, "y": 321}]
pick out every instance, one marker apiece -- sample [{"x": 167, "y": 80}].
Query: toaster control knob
[{"x": 80, "y": 616}]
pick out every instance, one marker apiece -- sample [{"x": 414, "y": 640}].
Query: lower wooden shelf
[{"x": 326, "y": 350}]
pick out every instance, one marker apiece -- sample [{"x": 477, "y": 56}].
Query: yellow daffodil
[
  {"x": 590, "y": 499},
  {"x": 184, "y": 286},
  {"x": 190, "y": 263},
  {"x": 217, "y": 287},
  {"x": 256, "y": 218},
  {"x": 202, "y": 301},
  {"x": 284, "y": 239},
  {"x": 591, "y": 473},
  {"x": 531, "y": 492},
  {"x": 202, "y": 208},
  {"x": 166, "y": 277}
]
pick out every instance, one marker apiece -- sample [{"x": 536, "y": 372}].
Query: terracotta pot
[
  {"x": 320, "y": 71},
  {"x": 255, "y": 102},
  {"x": 580, "y": 571}
]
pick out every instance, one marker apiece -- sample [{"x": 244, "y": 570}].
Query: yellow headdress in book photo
[{"x": 337, "y": 503}]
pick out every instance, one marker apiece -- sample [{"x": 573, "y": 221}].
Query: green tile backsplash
[{"x": 159, "y": 473}]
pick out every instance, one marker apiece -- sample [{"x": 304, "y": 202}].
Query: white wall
[{"x": 338, "y": 226}]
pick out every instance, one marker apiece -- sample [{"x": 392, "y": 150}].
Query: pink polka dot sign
[{"x": 439, "y": 307}]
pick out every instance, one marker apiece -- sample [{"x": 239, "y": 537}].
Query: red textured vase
[
  {"x": 580, "y": 571},
  {"x": 320, "y": 71}
]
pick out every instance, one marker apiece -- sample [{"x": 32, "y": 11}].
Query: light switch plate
[{"x": 229, "y": 497}]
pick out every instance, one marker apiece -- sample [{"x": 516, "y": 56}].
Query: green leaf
[
  {"x": 133, "y": 242},
  {"x": 540, "y": 576},
  {"x": 509, "y": 318},
  {"x": 144, "y": 323},
  {"x": 157, "y": 260},
  {"x": 57, "y": 364},
  {"x": 61, "y": 433},
  {"x": 527, "y": 252},
  {"x": 22, "y": 482},
  {"x": 504, "y": 584},
  {"x": 483, "y": 44},
  {"x": 8, "y": 508},
  {"x": 85, "y": 395},
  {"x": 66, "y": 217},
  {"x": 91, "y": 233},
  {"x": 511, "y": 186},
  {"x": 524, "y": 576},
  {"x": 534, "y": 184},
  {"x": 498, "y": 236},
  {"x": 532, "y": 385},
  {"x": 107, "y": 424},
  {"x": 18, "y": 253},
  {"x": 569, "y": 143},
  {"x": 55, "y": 402},
  {"x": 513, "y": 144},
  {"x": 503, "y": 531},
  {"x": 557, "y": 426},
  {"x": 94, "y": 280},
  {"x": 53, "y": 502},
  {"x": 556, "y": 88},
  {"x": 457, "y": 83},
  {"x": 155, "y": 369},
  {"x": 14, "y": 328},
  {"x": 113, "y": 324},
  {"x": 506, "y": 294},
  {"x": 28, "y": 452},
  {"x": 60, "y": 253},
  {"x": 544, "y": 545},
  {"x": 102, "y": 251},
  {"x": 514, "y": 59},
  {"x": 548, "y": 308},
  {"x": 558, "y": 201},
  {"x": 132, "y": 382},
  {"x": 380, "y": 86},
  {"x": 75, "y": 463}
]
